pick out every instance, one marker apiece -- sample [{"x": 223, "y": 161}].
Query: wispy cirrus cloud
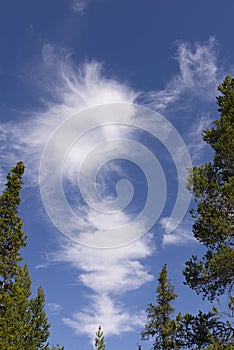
[
  {"x": 79, "y": 6},
  {"x": 181, "y": 236},
  {"x": 197, "y": 145},
  {"x": 54, "y": 308},
  {"x": 198, "y": 77},
  {"x": 114, "y": 317},
  {"x": 67, "y": 90},
  {"x": 107, "y": 274}
]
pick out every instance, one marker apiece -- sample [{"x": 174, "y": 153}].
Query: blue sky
[{"x": 84, "y": 59}]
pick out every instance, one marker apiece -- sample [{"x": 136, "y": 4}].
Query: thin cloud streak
[
  {"x": 108, "y": 274},
  {"x": 79, "y": 6},
  {"x": 197, "y": 146},
  {"x": 198, "y": 77},
  {"x": 181, "y": 236},
  {"x": 54, "y": 308}
]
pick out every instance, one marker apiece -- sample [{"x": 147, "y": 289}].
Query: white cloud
[
  {"x": 182, "y": 235},
  {"x": 113, "y": 317},
  {"x": 68, "y": 91},
  {"x": 79, "y": 5},
  {"x": 129, "y": 273},
  {"x": 198, "y": 76},
  {"x": 54, "y": 308},
  {"x": 196, "y": 144},
  {"x": 109, "y": 274}
]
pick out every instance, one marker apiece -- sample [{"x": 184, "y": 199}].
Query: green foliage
[
  {"x": 99, "y": 340},
  {"x": 183, "y": 331},
  {"x": 160, "y": 325},
  {"x": 14, "y": 325},
  {"x": 202, "y": 330},
  {"x": 217, "y": 345},
  {"x": 39, "y": 330},
  {"x": 212, "y": 186},
  {"x": 15, "y": 282},
  {"x": 23, "y": 322},
  {"x": 12, "y": 237}
]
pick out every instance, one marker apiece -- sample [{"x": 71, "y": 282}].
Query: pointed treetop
[{"x": 99, "y": 340}]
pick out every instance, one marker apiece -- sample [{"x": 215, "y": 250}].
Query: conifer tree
[
  {"x": 212, "y": 186},
  {"x": 160, "y": 324},
  {"x": 15, "y": 282},
  {"x": 39, "y": 326},
  {"x": 12, "y": 237},
  {"x": 181, "y": 331},
  {"x": 23, "y": 322},
  {"x": 99, "y": 340}
]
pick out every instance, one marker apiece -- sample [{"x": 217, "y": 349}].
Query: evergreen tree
[
  {"x": 160, "y": 324},
  {"x": 14, "y": 280},
  {"x": 12, "y": 237},
  {"x": 23, "y": 322},
  {"x": 212, "y": 186},
  {"x": 39, "y": 326},
  {"x": 99, "y": 340},
  {"x": 14, "y": 311},
  {"x": 183, "y": 331}
]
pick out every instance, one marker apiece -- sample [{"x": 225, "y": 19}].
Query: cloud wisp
[
  {"x": 197, "y": 145},
  {"x": 108, "y": 274},
  {"x": 111, "y": 273},
  {"x": 54, "y": 308},
  {"x": 198, "y": 77},
  {"x": 181, "y": 236},
  {"x": 79, "y": 6}
]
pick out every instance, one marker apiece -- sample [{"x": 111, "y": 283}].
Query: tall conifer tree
[
  {"x": 23, "y": 322},
  {"x": 161, "y": 327},
  {"x": 15, "y": 282},
  {"x": 212, "y": 186}
]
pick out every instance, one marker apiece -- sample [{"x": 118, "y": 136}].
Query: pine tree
[
  {"x": 212, "y": 186},
  {"x": 99, "y": 340},
  {"x": 160, "y": 324},
  {"x": 23, "y": 322}
]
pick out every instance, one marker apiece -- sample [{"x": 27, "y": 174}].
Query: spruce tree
[
  {"x": 99, "y": 340},
  {"x": 160, "y": 324},
  {"x": 212, "y": 186},
  {"x": 23, "y": 322}
]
